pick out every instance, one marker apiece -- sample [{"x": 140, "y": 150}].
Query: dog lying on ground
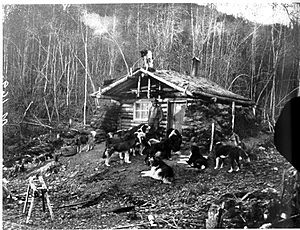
[
  {"x": 159, "y": 170},
  {"x": 234, "y": 153}
]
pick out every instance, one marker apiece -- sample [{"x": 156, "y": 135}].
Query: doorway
[{"x": 176, "y": 113}]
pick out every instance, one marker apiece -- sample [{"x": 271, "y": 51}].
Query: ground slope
[{"x": 95, "y": 191}]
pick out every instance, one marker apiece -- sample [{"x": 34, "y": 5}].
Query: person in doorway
[{"x": 155, "y": 115}]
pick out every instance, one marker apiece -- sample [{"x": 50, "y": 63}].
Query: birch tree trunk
[
  {"x": 253, "y": 55},
  {"x": 53, "y": 75},
  {"x": 207, "y": 47},
  {"x": 193, "y": 30},
  {"x": 212, "y": 51},
  {"x": 138, "y": 28},
  {"x": 85, "y": 76}
]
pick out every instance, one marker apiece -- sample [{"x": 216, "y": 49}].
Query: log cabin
[{"x": 174, "y": 91}]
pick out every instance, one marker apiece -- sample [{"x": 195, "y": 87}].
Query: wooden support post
[
  {"x": 233, "y": 116},
  {"x": 139, "y": 87},
  {"x": 169, "y": 115},
  {"x": 159, "y": 90},
  {"x": 43, "y": 200},
  {"x": 212, "y": 136},
  {"x": 254, "y": 110},
  {"x": 149, "y": 88}
]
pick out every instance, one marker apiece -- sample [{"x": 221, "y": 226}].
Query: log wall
[
  {"x": 196, "y": 124},
  {"x": 126, "y": 115}
]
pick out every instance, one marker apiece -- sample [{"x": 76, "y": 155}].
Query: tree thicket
[{"x": 55, "y": 54}]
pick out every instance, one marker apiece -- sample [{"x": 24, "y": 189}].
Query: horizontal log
[
  {"x": 127, "y": 105},
  {"x": 127, "y": 110},
  {"x": 126, "y": 118}
]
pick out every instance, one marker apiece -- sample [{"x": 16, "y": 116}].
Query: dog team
[
  {"x": 138, "y": 140},
  {"x": 156, "y": 148}
]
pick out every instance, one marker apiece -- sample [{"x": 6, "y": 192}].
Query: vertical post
[
  {"x": 233, "y": 115},
  {"x": 43, "y": 199},
  {"x": 254, "y": 110},
  {"x": 159, "y": 90},
  {"x": 139, "y": 87},
  {"x": 195, "y": 66},
  {"x": 149, "y": 87},
  {"x": 169, "y": 115},
  {"x": 212, "y": 136}
]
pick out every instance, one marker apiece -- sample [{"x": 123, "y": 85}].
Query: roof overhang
[{"x": 182, "y": 84}]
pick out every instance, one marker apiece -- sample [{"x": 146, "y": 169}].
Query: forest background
[{"x": 54, "y": 56}]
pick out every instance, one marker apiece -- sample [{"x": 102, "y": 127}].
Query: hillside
[{"x": 86, "y": 194}]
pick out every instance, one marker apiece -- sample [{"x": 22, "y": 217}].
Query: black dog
[
  {"x": 85, "y": 141},
  {"x": 159, "y": 170},
  {"x": 121, "y": 145},
  {"x": 234, "y": 153},
  {"x": 197, "y": 160},
  {"x": 175, "y": 139}
]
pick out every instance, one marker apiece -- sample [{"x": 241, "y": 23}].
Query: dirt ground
[{"x": 85, "y": 194}]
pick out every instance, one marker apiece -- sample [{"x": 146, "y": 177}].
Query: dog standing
[
  {"x": 121, "y": 145},
  {"x": 141, "y": 137},
  {"x": 148, "y": 59},
  {"x": 159, "y": 170},
  {"x": 85, "y": 141},
  {"x": 232, "y": 152}
]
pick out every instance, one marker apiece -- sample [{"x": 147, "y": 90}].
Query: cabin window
[{"x": 141, "y": 109}]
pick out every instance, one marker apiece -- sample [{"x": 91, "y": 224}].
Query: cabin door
[{"x": 176, "y": 112}]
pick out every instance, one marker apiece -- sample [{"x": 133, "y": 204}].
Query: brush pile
[
  {"x": 42, "y": 148},
  {"x": 106, "y": 119},
  {"x": 200, "y": 116}
]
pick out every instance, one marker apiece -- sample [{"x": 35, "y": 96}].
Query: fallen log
[
  {"x": 131, "y": 225},
  {"x": 68, "y": 151},
  {"x": 85, "y": 204},
  {"x": 123, "y": 209},
  {"x": 71, "y": 205}
]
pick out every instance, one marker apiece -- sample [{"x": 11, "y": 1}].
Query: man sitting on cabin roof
[{"x": 155, "y": 115}]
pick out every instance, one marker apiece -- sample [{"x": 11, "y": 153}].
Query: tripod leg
[
  {"x": 49, "y": 205},
  {"x": 31, "y": 207},
  {"x": 26, "y": 199}
]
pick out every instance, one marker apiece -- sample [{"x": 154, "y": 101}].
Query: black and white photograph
[{"x": 150, "y": 115}]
